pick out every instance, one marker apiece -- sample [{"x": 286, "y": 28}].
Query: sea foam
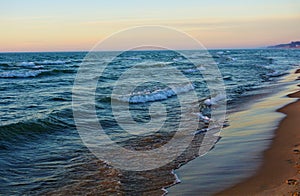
[
  {"x": 20, "y": 74},
  {"x": 48, "y": 62},
  {"x": 27, "y": 64},
  {"x": 215, "y": 100},
  {"x": 157, "y": 95}
]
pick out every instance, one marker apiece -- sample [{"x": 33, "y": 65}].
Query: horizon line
[{"x": 56, "y": 51}]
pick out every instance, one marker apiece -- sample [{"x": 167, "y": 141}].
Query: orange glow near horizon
[{"x": 27, "y": 31}]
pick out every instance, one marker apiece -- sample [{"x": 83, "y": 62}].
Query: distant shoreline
[{"x": 292, "y": 45}]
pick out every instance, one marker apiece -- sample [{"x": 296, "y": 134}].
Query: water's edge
[{"x": 251, "y": 129}]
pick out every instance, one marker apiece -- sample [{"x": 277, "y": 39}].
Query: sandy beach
[{"x": 279, "y": 173}]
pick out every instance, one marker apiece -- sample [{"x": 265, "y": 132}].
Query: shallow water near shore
[{"x": 239, "y": 153}]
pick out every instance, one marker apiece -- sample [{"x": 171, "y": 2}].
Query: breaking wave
[
  {"x": 157, "y": 95},
  {"x": 21, "y": 74},
  {"x": 32, "y": 73}
]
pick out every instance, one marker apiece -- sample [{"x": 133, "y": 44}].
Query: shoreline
[
  {"x": 252, "y": 124},
  {"x": 279, "y": 172}
]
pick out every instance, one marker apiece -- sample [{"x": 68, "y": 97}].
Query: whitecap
[
  {"x": 194, "y": 70},
  {"x": 215, "y": 100},
  {"x": 157, "y": 95},
  {"x": 153, "y": 64},
  {"x": 27, "y": 64},
  {"x": 229, "y": 58},
  {"x": 20, "y": 74},
  {"x": 190, "y": 70},
  {"x": 48, "y": 62}
]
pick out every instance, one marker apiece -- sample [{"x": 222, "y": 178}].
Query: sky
[{"x": 73, "y": 25}]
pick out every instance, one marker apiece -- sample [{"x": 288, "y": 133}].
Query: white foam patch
[
  {"x": 215, "y": 100},
  {"x": 202, "y": 117},
  {"x": 47, "y": 62},
  {"x": 152, "y": 64},
  {"x": 194, "y": 70},
  {"x": 27, "y": 64},
  {"x": 231, "y": 58},
  {"x": 190, "y": 70},
  {"x": 177, "y": 180},
  {"x": 165, "y": 191},
  {"x": 157, "y": 95},
  {"x": 201, "y": 68},
  {"x": 38, "y": 66},
  {"x": 20, "y": 74}
]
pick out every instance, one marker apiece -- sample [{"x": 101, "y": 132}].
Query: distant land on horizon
[{"x": 293, "y": 44}]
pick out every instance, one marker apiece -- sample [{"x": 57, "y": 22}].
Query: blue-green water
[{"x": 40, "y": 148}]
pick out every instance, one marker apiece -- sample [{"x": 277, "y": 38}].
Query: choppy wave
[
  {"x": 32, "y": 73},
  {"x": 59, "y": 99},
  {"x": 4, "y": 64},
  {"x": 132, "y": 58},
  {"x": 31, "y": 129},
  {"x": 57, "y": 71},
  {"x": 45, "y": 62},
  {"x": 157, "y": 95},
  {"x": 277, "y": 74},
  {"x": 227, "y": 77},
  {"x": 153, "y": 64},
  {"x": 20, "y": 74},
  {"x": 77, "y": 60},
  {"x": 198, "y": 69},
  {"x": 229, "y": 58},
  {"x": 268, "y": 59},
  {"x": 27, "y": 64},
  {"x": 48, "y": 62}
]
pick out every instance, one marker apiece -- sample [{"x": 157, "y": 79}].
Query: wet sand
[{"x": 279, "y": 173}]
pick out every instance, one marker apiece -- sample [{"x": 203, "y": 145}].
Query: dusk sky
[{"x": 67, "y": 25}]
